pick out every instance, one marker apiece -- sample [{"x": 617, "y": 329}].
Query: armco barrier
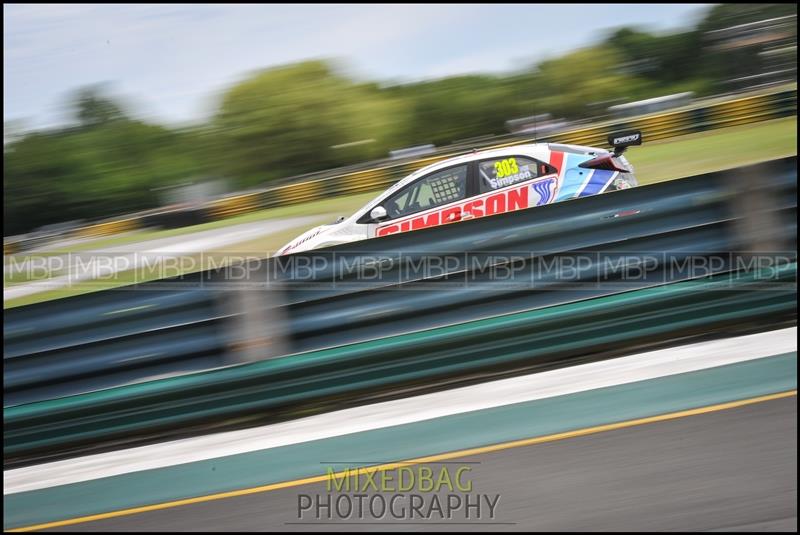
[
  {"x": 106, "y": 342},
  {"x": 93, "y": 342},
  {"x": 115, "y": 337},
  {"x": 564, "y": 331},
  {"x": 109, "y": 227},
  {"x": 327, "y": 184}
]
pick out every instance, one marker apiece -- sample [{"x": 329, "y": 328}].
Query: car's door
[{"x": 426, "y": 202}]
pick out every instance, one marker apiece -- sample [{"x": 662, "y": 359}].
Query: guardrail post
[
  {"x": 755, "y": 217},
  {"x": 255, "y": 324}
]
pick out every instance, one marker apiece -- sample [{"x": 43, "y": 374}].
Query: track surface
[{"x": 735, "y": 469}]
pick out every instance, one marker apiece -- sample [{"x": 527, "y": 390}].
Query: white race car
[{"x": 480, "y": 184}]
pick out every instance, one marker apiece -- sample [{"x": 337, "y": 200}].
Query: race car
[{"x": 481, "y": 184}]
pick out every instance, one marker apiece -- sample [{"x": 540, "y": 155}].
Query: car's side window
[
  {"x": 437, "y": 189},
  {"x": 501, "y": 172}
]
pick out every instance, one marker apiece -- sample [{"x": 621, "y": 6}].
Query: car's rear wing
[
  {"x": 622, "y": 140},
  {"x": 612, "y": 162}
]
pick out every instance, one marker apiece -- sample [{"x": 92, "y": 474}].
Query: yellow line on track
[{"x": 420, "y": 460}]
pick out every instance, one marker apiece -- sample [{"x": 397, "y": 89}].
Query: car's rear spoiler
[{"x": 620, "y": 141}]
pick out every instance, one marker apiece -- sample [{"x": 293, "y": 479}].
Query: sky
[{"x": 171, "y": 63}]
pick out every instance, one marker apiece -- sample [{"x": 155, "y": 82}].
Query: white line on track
[{"x": 629, "y": 369}]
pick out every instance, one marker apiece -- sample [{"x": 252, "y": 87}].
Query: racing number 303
[{"x": 506, "y": 167}]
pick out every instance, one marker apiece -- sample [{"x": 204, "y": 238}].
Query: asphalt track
[{"x": 732, "y": 469}]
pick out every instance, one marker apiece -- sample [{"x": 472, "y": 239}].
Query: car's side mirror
[{"x": 378, "y": 213}]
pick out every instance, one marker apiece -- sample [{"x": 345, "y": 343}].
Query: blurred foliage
[
  {"x": 286, "y": 120},
  {"x": 585, "y": 76},
  {"x": 727, "y": 15},
  {"x": 304, "y": 117},
  {"x": 107, "y": 160},
  {"x": 450, "y": 109}
]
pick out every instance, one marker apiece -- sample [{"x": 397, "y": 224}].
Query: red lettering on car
[
  {"x": 496, "y": 204},
  {"x": 518, "y": 198},
  {"x": 430, "y": 220},
  {"x": 451, "y": 214},
  {"x": 389, "y": 229},
  {"x": 475, "y": 208}
]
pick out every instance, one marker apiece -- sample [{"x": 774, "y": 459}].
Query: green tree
[
  {"x": 92, "y": 107},
  {"x": 572, "y": 82},
  {"x": 107, "y": 165},
  {"x": 286, "y": 120},
  {"x": 726, "y": 15},
  {"x": 456, "y": 108}
]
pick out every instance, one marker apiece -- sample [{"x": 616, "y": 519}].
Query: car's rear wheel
[{"x": 623, "y": 181}]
